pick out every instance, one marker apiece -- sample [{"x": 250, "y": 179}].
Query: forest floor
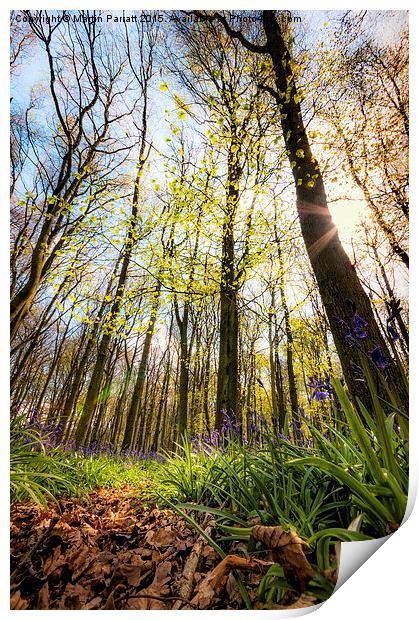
[{"x": 107, "y": 551}]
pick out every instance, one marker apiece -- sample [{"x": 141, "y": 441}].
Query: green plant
[
  {"x": 273, "y": 585},
  {"x": 38, "y": 473},
  {"x": 33, "y": 474},
  {"x": 374, "y": 467}
]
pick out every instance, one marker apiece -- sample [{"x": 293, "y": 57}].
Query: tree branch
[{"x": 234, "y": 34}]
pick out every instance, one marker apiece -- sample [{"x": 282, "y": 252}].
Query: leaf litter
[{"x": 108, "y": 551}]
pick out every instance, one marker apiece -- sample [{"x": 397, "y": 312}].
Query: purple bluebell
[
  {"x": 34, "y": 417},
  {"x": 394, "y": 335},
  {"x": 296, "y": 425},
  {"x": 319, "y": 391},
  {"x": 394, "y": 310},
  {"x": 349, "y": 337},
  {"x": 376, "y": 356},
  {"x": 359, "y": 326},
  {"x": 303, "y": 413}
]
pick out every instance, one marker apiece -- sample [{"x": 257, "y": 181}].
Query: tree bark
[
  {"x": 335, "y": 275},
  {"x": 142, "y": 369},
  {"x": 227, "y": 377}
]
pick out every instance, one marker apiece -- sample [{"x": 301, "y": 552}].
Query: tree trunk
[
  {"x": 139, "y": 384},
  {"x": 272, "y": 367},
  {"x": 335, "y": 275},
  {"x": 288, "y": 333},
  {"x": 227, "y": 378}
]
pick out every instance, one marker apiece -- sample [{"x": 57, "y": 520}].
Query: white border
[{"x": 386, "y": 586}]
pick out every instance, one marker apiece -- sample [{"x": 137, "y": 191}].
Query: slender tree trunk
[
  {"x": 142, "y": 369},
  {"x": 391, "y": 296},
  {"x": 272, "y": 367},
  {"x": 228, "y": 359},
  {"x": 280, "y": 391},
  {"x": 162, "y": 404},
  {"x": 206, "y": 384},
  {"x": 288, "y": 332}
]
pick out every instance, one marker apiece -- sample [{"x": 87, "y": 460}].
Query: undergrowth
[{"x": 39, "y": 471}]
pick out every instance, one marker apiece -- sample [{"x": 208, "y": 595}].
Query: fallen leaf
[
  {"x": 163, "y": 537},
  {"x": 17, "y": 602},
  {"x": 291, "y": 552},
  {"x": 74, "y": 596},
  {"x": 95, "y": 603},
  {"x": 132, "y": 573},
  {"x": 43, "y": 596},
  {"x": 213, "y": 584}
]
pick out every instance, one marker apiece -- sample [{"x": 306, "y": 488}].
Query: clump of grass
[
  {"x": 33, "y": 473},
  {"x": 349, "y": 483},
  {"x": 39, "y": 471}
]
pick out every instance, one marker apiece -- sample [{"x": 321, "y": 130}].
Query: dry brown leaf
[
  {"x": 143, "y": 603},
  {"x": 291, "y": 552},
  {"x": 83, "y": 560},
  {"x": 144, "y": 552},
  {"x": 43, "y": 597},
  {"x": 132, "y": 573},
  {"x": 158, "y": 588},
  {"x": 75, "y": 596},
  {"x": 213, "y": 584},
  {"x": 95, "y": 603},
  {"x": 17, "y": 602},
  {"x": 162, "y": 575},
  {"x": 163, "y": 537},
  {"x": 54, "y": 561}
]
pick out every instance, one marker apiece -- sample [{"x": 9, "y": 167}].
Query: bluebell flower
[
  {"x": 34, "y": 417},
  {"x": 394, "y": 310},
  {"x": 376, "y": 356},
  {"x": 296, "y": 424},
  {"x": 359, "y": 326},
  {"x": 303, "y": 413},
  {"x": 349, "y": 337},
  {"x": 394, "y": 335},
  {"x": 320, "y": 394},
  {"x": 336, "y": 401},
  {"x": 319, "y": 391}
]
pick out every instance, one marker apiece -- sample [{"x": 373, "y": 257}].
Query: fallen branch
[{"x": 191, "y": 564}]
